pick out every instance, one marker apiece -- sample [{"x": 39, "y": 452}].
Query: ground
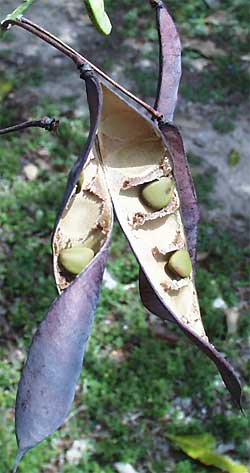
[{"x": 140, "y": 381}]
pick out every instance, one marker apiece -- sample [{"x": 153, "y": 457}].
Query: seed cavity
[{"x": 140, "y": 175}]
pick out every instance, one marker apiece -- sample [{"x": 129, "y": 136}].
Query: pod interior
[{"x": 133, "y": 154}]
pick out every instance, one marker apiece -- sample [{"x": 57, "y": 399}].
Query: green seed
[
  {"x": 157, "y": 194},
  {"x": 180, "y": 263},
  {"x": 76, "y": 259}
]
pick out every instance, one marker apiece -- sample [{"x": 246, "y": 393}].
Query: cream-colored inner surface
[
  {"x": 131, "y": 150},
  {"x": 86, "y": 219}
]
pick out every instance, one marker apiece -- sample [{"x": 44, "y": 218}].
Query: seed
[
  {"x": 180, "y": 263},
  {"x": 157, "y": 194},
  {"x": 76, "y": 259}
]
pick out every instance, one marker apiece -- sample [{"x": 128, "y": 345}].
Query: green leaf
[
  {"x": 19, "y": 11},
  {"x": 98, "y": 16},
  {"x": 193, "y": 445},
  {"x": 202, "y": 447},
  {"x": 223, "y": 462}
]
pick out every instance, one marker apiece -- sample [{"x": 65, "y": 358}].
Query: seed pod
[
  {"x": 155, "y": 235},
  {"x": 169, "y": 61},
  {"x": 168, "y": 84},
  {"x": 157, "y": 194},
  {"x": 54, "y": 362},
  {"x": 180, "y": 263}
]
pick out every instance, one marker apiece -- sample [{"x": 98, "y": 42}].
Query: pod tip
[{"x": 20, "y": 454}]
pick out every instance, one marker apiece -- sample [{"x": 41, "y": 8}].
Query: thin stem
[
  {"x": 49, "y": 124},
  {"x": 76, "y": 57}
]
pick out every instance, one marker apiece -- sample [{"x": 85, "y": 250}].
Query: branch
[
  {"x": 77, "y": 58},
  {"x": 49, "y": 124}
]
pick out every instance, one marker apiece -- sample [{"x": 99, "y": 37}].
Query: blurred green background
[{"x": 142, "y": 381}]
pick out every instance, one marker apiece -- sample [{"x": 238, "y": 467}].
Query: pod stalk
[{"x": 77, "y": 58}]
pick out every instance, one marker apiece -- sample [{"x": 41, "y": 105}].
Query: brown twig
[
  {"x": 49, "y": 124},
  {"x": 78, "y": 59}
]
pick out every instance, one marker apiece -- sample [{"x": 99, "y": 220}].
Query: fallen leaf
[
  {"x": 207, "y": 48},
  {"x": 202, "y": 447}
]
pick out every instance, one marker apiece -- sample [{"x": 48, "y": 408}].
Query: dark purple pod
[
  {"x": 169, "y": 77},
  {"x": 47, "y": 386},
  {"x": 169, "y": 61},
  {"x": 166, "y": 99},
  {"x": 168, "y": 85}
]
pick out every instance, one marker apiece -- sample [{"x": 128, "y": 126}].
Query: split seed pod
[
  {"x": 168, "y": 83},
  {"x": 135, "y": 151},
  {"x": 49, "y": 378}
]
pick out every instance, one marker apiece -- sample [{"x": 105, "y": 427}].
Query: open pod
[
  {"x": 168, "y": 84},
  {"x": 137, "y": 157},
  {"x": 166, "y": 99},
  {"x": 47, "y": 386}
]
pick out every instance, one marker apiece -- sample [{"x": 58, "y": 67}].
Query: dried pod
[
  {"x": 54, "y": 362},
  {"x": 169, "y": 61},
  {"x": 168, "y": 83},
  {"x": 153, "y": 235},
  {"x": 132, "y": 160}
]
